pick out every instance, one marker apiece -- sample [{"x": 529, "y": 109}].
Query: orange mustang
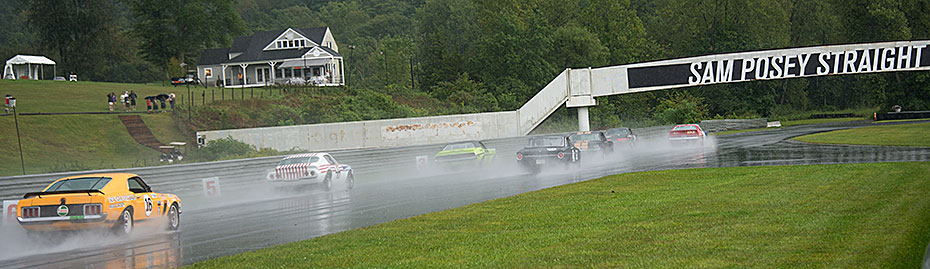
[{"x": 114, "y": 201}]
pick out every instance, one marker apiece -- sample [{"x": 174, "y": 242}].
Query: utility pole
[
  {"x": 22, "y": 161},
  {"x": 413, "y": 84}
]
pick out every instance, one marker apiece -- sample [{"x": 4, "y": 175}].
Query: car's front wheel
[
  {"x": 350, "y": 180},
  {"x": 174, "y": 218}
]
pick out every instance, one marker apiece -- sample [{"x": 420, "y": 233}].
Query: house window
[{"x": 302, "y": 43}]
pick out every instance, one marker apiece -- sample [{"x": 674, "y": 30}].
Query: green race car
[{"x": 468, "y": 152}]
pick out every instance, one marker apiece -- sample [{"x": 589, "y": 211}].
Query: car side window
[
  {"x": 330, "y": 159},
  {"x": 482, "y": 145},
  {"x": 135, "y": 185}
]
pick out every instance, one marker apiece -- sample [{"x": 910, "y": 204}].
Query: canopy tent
[{"x": 34, "y": 67}]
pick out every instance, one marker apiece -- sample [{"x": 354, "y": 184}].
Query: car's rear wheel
[
  {"x": 174, "y": 218},
  {"x": 125, "y": 224}
]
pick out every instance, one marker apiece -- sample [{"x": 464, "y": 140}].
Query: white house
[{"x": 294, "y": 55}]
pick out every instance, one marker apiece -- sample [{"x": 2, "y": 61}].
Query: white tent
[{"x": 34, "y": 67}]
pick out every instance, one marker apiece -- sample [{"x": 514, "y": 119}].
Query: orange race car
[{"x": 116, "y": 201}]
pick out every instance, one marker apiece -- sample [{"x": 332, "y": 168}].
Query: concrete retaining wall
[{"x": 377, "y": 133}]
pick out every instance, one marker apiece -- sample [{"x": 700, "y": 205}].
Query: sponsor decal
[
  {"x": 63, "y": 210},
  {"x": 116, "y": 205},
  {"x": 149, "y": 206},
  {"x": 117, "y": 199},
  {"x": 77, "y": 217}
]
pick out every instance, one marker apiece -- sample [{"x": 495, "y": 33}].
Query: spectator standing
[
  {"x": 171, "y": 97},
  {"x": 149, "y": 100},
  {"x": 132, "y": 99},
  {"x": 110, "y": 100},
  {"x": 162, "y": 98},
  {"x": 124, "y": 101}
]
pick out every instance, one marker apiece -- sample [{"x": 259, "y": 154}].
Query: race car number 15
[{"x": 211, "y": 187}]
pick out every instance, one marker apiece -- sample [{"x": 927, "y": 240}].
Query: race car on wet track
[
  {"x": 115, "y": 201},
  {"x": 548, "y": 151},
  {"x": 312, "y": 167},
  {"x": 621, "y": 136},
  {"x": 592, "y": 141},
  {"x": 687, "y": 133},
  {"x": 464, "y": 153}
]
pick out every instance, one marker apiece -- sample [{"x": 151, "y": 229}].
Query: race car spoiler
[{"x": 39, "y": 194}]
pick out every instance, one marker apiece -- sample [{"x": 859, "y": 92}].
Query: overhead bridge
[{"x": 578, "y": 88}]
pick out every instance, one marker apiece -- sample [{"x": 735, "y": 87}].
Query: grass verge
[
  {"x": 913, "y": 135},
  {"x": 838, "y": 216},
  {"x": 78, "y": 142}
]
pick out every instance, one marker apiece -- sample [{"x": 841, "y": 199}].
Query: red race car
[{"x": 687, "y": 133}]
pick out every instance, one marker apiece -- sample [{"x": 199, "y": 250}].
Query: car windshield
[
  {"x": 546, "y": 142},
  {"x": 297, "y": 160},
  {"x": 684, "y": 128},
  {"x": 456, "y": 146},
  {"x": 618, "y": 132},
  {"x": 584, "y": 137},
  {"x": 80, "y": 184}
]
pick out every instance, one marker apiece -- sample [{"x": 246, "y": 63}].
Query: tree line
[{"x": 491, "y": 55}]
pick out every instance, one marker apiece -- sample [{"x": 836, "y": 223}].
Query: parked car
[
  {"x": 464, "y": 153},
  {"x": 115, "y": 201},
  {"x": 687, "y": 133},
  {"x": 548, "y": 151},
  {"x": 592, "y": 141},
  {"x": 621, "y": 136},
  {"x": 312, "y": 167}
]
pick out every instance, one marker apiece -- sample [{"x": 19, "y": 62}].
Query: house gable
[
  {"x": 290, "y": 39},
  {"x": 317, "y": 52},
  {"x": 329, "y": 41}
]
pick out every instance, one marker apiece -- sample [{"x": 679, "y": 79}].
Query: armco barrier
[
  {"x": 712, "y": 126},
  {"x": 907, "y": 115}
]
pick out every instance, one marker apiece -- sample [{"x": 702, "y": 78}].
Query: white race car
[{"x": 312, "y": 167}]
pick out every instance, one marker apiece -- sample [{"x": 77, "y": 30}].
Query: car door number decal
[{"x": 148, "y": 205}]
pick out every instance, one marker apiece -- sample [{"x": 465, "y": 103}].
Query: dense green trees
[{"x": 484, "y": 55}]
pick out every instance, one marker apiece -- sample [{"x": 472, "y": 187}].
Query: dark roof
[
  {"x": 213, "y": 56},
  {"x": 331, "y": 51},
  {"x": 252, "y": 47}
]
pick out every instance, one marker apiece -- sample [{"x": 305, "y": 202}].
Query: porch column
[
  {"x": 245, "y": 77},
  {"x": 224, "y": 75},
  {"x": 272, "y": 71},
  {"x": 342, "y": 71}
]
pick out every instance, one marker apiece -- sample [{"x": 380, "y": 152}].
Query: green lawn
[
  {"x": 914, "y": 135},
  {"x": 834, "y": 216},
  {"x": 62, "y": 96},
  {"x": 53, "y": 143},
  {"x": 78, "y": 142}
]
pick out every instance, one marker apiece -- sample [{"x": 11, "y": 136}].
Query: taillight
[
  {"x": 561, "y": 155},
  {"x": 30, "y": 212},
  {"x": 92, "y": 209},
  {"x": 519, "y": 156}
]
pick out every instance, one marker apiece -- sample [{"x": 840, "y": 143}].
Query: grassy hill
[{"x": 73, "y": 142}]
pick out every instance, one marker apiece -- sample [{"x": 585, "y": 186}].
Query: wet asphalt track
[{"x": 257, "y": 215}]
